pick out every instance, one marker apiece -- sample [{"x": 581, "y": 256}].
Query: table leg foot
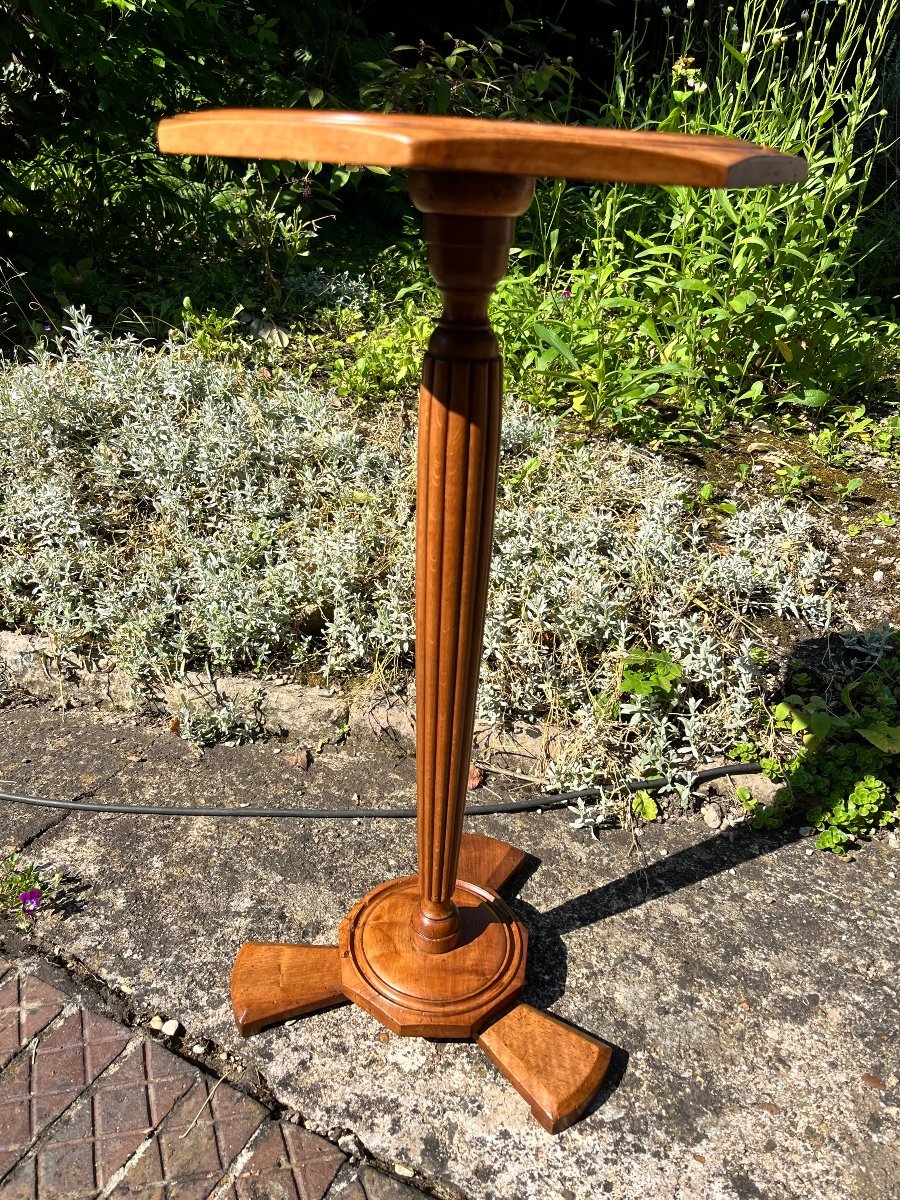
[
  {"x": 488, "y": 862},
  {"x": 557, "y": 1068},
  {"x": 275, "y": 981}
]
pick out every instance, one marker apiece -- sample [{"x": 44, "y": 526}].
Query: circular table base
[{"x": 450, "y": 995}]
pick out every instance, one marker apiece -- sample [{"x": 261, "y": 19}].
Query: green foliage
[
  {"x": 845, "y": 779},
  {"x": 649, "y": 673},
  {"x": 17, "y": 879},
  {"x": 644, "y": 806},
  {"x": 91, "y": 212},
  {"x": 664, "y": 312},
  {"x": 506, "y": 74}
]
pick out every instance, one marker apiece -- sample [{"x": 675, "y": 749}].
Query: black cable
[{"x": 535, "y": 804}]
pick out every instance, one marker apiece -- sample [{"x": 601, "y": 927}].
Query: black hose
[{"x": 534, "y": 804}]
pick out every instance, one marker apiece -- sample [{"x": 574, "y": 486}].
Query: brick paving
[
  {"x": 26, "y": 1006},
  {"x": 90, "y": 1109},
  {"x": 289, "y": 1163}
]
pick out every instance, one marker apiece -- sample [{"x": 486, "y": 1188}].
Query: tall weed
[{"x": 699, "y": 306}]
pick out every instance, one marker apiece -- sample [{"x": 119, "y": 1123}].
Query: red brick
[
  {"x": 103, "y": 1130},
  {"x": 27, "y": 1005},
  {"x": 291, "y": 1163},
  {"x": 194, "y": 1146},
  {"x": 42, "y": 1086}
]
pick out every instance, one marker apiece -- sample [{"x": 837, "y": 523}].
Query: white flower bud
[
  {"x": 666, "y": 12},
  {"x": 745, "y": 47}
]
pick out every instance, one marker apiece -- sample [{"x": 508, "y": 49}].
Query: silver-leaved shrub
[{"x": 164, "y": 510}]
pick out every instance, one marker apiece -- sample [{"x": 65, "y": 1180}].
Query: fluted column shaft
[{"x": 459, "y": 447}]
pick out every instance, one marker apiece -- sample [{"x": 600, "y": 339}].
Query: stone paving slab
[
  {"x": 44, "y": 754},
  {"x": 748, "y": 985}
]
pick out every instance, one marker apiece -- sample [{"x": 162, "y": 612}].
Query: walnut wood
[
  {"x": 557, "y": 1068},
  {"x": 487, "y": 862},
  {"x": 459, "y": 448},
  {"x": 449, "y": 995},
  {"x": 475, "y": 144},
  {"x": 442, "y": 955},
  {"x": 272, "y": 982}
]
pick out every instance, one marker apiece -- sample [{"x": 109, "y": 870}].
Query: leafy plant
[
  {"x": 845, "y": 779},
  {"x": 644, "y": 806},
  {"x": 24, "y": 891},
  {"x": 648, "y": 673}
]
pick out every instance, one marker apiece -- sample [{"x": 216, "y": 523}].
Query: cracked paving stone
[
  {"x": 290, "y": 1164},
  {"x": 27, "y": 1005},
  {"x": 40, "y": 1085},
  {"x": 191, "y": 1151}
]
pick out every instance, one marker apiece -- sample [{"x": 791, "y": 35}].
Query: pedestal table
[{"x": 440, "y": 955}]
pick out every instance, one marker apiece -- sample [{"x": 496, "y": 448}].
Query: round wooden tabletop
[{"x": 478, "y": 145}]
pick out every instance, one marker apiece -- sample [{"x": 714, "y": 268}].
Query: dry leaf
[
  {"x": 175, "y": 725},
  {"x": 872, "y": 1081},
  {"x": 301, "y": 759},
  {"x": 476, "y": 777}
]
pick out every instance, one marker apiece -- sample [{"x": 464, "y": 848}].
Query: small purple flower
[
  {"x": 30, "y": 901},
  {"x": 46, "y": 326},
  {"x": 567, "y": 293}
]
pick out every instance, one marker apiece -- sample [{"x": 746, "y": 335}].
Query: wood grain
[
  {"x": 458, "y": 454},
  {"x": 476, "y": 144},
  {"x": 488, "y": 862},
  {"x": 449, "y": 995},
  {"x": 272, "y": 982},
  {"x": 557, "y": 1068}
]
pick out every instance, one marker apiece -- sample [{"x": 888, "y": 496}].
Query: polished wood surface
[
  {"x": 453, "y": 994},
  {"x": 476, "y": 144},
  {"x": 488, "y": 862},
  {"x": 273, "y": 981},
  {"x": 557, "y": 1068},
  {"x": 440, "y": 954},
  {"x": 459, "y": 450}
]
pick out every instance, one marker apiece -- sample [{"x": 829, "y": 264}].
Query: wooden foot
[
  {"x": 273, "y": 981},
  {"x": 487, "y": 862},
  {"x": 557, "y": 1068}
]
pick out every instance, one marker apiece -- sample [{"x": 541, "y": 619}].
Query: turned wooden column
[{"x": 468, "y": 226}]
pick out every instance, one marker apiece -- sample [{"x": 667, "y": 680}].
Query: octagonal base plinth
[{"x": 450, "y": 995}]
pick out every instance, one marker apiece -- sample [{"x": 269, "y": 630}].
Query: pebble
[
  {"x": 171, "y": 1027},
  {"x": 197, "y": 1048},
  {"x": 156, "y": 1022},
  {"x": 712, "y": 815},
  {"x": 878, "y": 576},
  {"x": 350, "y": 1144},
  {"x": 406, "y": 1172}
]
